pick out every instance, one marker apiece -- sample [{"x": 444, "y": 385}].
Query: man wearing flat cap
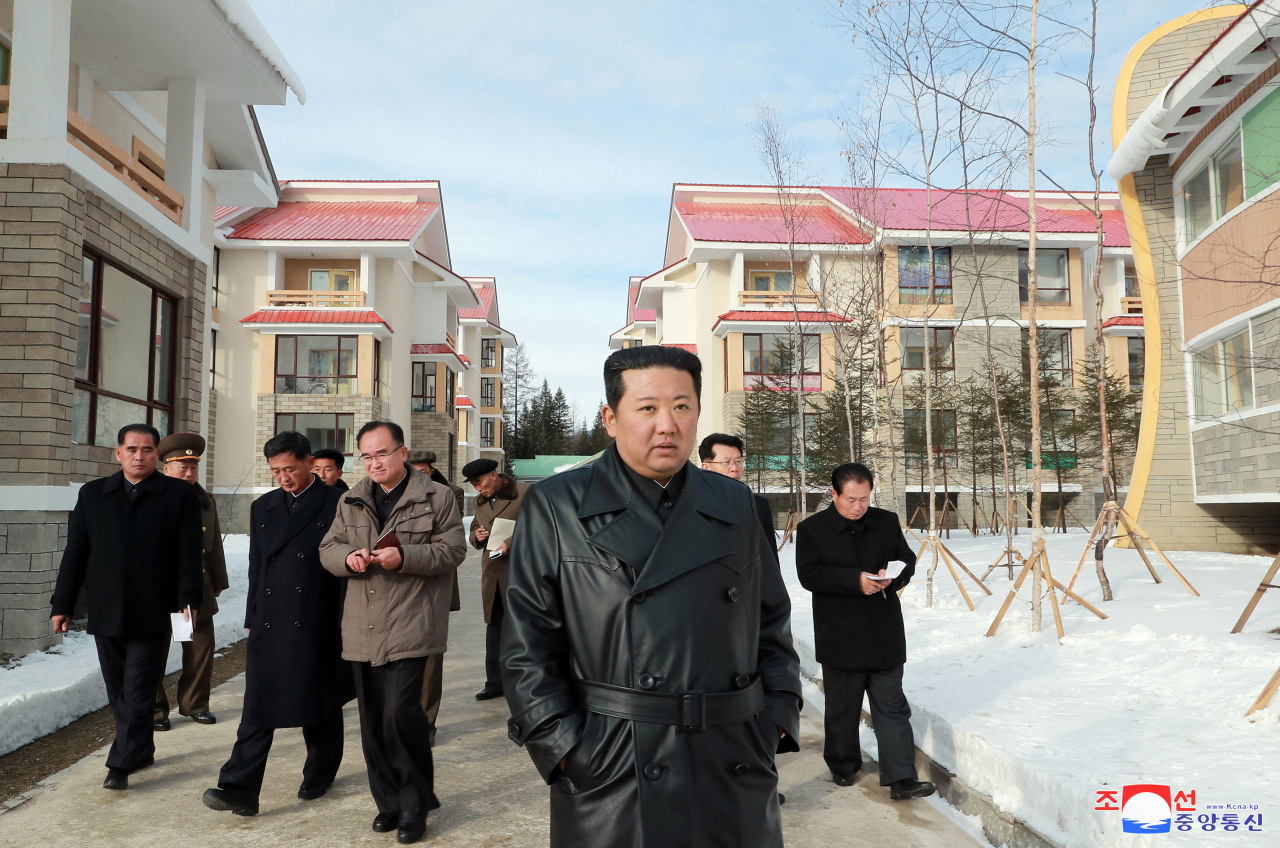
[
  {"x": 180, "y": 454},
  {"x": 433, "y": 677},
  {"x": 497, "y": 496}
]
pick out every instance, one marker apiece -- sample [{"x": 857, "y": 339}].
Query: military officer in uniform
[
  {"x": 497, "y": 496},
  {"x": 180, "y": 454}
]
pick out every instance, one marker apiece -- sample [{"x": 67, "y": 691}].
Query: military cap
[
  {"x": 477, "y": 468},
  {"x": 182, "y": 446},
  {"x": 419, "y": 455}
]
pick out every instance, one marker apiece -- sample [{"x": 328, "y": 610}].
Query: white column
[
  {"x": 41, "y": 69},
  {"x": 813, "y": 274},
  {"x": 274, "y": 277},
  {"x": 368, "y": 267},
  {"x": 737, "y": 280},
  {"x": 84, "y": 94},
  {"x": 184, "y": 148}
]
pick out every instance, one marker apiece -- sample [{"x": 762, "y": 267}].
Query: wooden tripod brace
[
  {"x": 1257, "y": 596},
  {"x": 950, "y": 560},
  {"x": 1111, "y": 514},
  {"x": 1005, "y": 560},
  {"x": 1038, "y": 553}
]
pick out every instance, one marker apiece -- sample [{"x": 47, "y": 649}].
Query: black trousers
[
  {"x": 396, "y": 736},
  {"x": 132, "y": 667},
  {"x": 890, "y": 716},
  {"x": 249, "y": 755},
  {"x": 493, "y": 645}
]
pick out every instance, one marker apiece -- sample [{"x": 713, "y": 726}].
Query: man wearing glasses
[
  {"x": 398, "y": 539},
  {"x": 724, "y": 454}
]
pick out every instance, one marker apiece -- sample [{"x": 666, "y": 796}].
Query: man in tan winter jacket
[{"x": 398, "y": 538}]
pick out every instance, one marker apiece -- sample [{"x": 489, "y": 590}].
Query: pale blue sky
[{"x": 558, "y": 129}]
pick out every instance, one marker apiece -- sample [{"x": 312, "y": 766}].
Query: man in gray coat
[{"x": 398, "y": 537}]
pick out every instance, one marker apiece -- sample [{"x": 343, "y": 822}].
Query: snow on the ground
[
  {"x": 46, "y": 690},
  {"x": 1156, "y": 694}
]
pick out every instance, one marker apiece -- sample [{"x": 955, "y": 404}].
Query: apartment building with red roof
[{"x": 749, "y": 269}]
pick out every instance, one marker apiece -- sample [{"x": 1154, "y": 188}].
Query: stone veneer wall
[
  {"x": 47, "y": 216},
  {"x": 365, "y": 408}
]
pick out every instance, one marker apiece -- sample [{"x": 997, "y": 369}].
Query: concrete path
[{"x": 490, "y": 792}]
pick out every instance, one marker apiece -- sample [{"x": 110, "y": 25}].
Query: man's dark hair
[
  {"x": 333, "y": 455},
  {"x": 643, "y": 358},
  {"x": 290, "y": 442},
  {"x": 146, "y": 429},
  {"x": 852, "y": 472},
  {"x": 707, "y": 450},
  {"x": 397, "y": 432}
]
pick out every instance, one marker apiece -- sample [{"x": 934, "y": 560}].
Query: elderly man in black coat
[
  {"x": 647, "y": 654},
  {"x": 133, "y": 542},
  {"x": 295, "y": 674},
  {"x": 842, "y": 555}
]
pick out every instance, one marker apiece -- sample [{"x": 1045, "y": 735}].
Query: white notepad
[
  {"x": 183, "y": 629},
  {"x": 892, "y": 570},
  {"x": 500, "y": 532}
]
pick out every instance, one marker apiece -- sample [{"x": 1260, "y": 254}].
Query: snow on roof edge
[{"x": 241, "y": 16}]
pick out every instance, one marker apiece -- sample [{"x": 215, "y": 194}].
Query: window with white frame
[
  {"x": 1222, "y": 376},
  {"x": 1215, "y": 190}
]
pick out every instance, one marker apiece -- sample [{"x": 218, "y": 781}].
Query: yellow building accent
[{"x": 1142, "y": 258}]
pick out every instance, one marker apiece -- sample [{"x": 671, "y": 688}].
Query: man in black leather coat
[{"x": 647, "y": 654}]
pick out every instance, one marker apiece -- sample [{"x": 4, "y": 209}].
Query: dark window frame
[
  {"x": 428, "y": 371},
  {"x": 950, "y": 455},
  {"x": 942, "y": 290},
  {"x": 490, "y": 398},
  {"x": 293, "y": 424},
  {"x": 95, "y": 350},
  {"x": 1043, "y": 293},
  {"x": 487, "y": 440},
  {"x": 931, "y": 348},
  {"x": 450, "y": 391},
  {"x": 335, "y": 377},
  {"x": 489, "y": 353},
  {"x": 1065, "y": 374},
  {"x": 817, "y": 341},
  {"x": 1137, "y": 377}
]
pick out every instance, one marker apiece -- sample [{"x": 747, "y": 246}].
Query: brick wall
[{"x": 365, "y": 408}]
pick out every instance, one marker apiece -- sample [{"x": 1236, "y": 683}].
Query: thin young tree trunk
[{"x": 1037, "y": 527}]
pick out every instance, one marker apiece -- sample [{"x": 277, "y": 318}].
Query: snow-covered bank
[
  {"x": 47, "y": 690},
  {"x": 1155, "y": 694}
]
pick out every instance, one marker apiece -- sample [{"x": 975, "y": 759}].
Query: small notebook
[
  {"x": 182, "y": 628},
  {"x": 388, "y": 539},
  {"x": 500, "y": 532}
]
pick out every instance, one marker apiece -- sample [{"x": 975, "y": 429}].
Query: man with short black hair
[
  {"x": 328, "y": 464},
  {"x": 133, "y": 543},
  {"x": 646, "y": 652},
  {"x": 842, "y": 554},
  {"x": 295, "y": 675},
  {"x": 725, "y": 454},
  {"x": 398, "y": 539}
]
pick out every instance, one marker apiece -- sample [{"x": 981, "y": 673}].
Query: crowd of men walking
[{"x": 637, "y": 621}]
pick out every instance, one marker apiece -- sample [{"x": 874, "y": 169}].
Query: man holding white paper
[
  {"x": 498, "y": 499},
  {"x": 843, "y": 556}
]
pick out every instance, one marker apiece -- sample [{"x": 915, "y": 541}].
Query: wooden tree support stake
[
  {"x": 1027, "y": 565},
  {"x": 1257, "y": 595},
  {"x": 1005, "y": 560},
  {"x": 951, "y": 561},
  {"x": 1112, "y": 511},
  {"x": 1265, "y": 697}
]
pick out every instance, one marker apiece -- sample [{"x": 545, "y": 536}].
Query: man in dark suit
[
  {"x": 328, "y": 466},
  {"x": 725, "y": 454},
  {"x": 295, "y": 675},
  {"x": 842, "y": 555},
  {"x": 133, "y": 542}
]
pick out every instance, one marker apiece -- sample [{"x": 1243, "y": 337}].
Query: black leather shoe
[
  {"x": 488, "y": 693},
  {"x": 310, "y": 793},
  {"x": 844, "y": 779},
  {"x": 412, "y": 828},
  {"x": 385, "y": 822},
  {"x": 903, "y": 789},
  {"x": 161, "y": 724},
  {"x": 116, "y": 779},
  {"x": 205, "y": 717},
  {"x": 237, "y": 801},
  {"x": 782, "y": 799}
]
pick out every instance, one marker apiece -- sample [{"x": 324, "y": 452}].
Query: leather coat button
[
  {"x": 640, "y": 598},
  {"x": 647, "y": 681},
  {"x": 297, "y": 624},
  {"x": 268, "y": 591},
  {"x": 267, "y": 624},
  {"x": 732, "y": 594},
  {"x": 301, "y": 555},
  {"x": 653, "y": 771},
  {"x": 740, "y": 769},
  {"x": 741, "y": 681},
  {"x": 299, "y": 590}
]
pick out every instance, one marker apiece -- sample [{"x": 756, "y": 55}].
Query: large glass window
[
  {"x": 945, "y": 443},
  {"x": 488, "y": 353},
  {"x": 1052, "y": 282},
  {"x": 1222, "y": 376},
  {"x": 1057, "y": 445},
  {"x": 424, "y": 387},
  {"x": 766, "y": 354},
  {"x": 486, "y": 432},
  {"x": 488, "y": 391},
  {"x": 1228, "y": 178},
  {"x": 776, "y": 281},
  {"x": 913, "y": 274},
  {"x": 1197, "y": 204},
  {"x": 315, "y": 365},
  {"x": 323, "y": 429},
  {"x": 1137, "y": 363},
  {"x": 1055, "y": 355},
  {"x": 449, "y": 390},
  {"x": 941, "y": 347},
  {"x": 124, "y": 355}
]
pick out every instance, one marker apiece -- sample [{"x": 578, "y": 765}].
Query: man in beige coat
[
  {"x": 398, "y": 538},
  {"x": 497, "y": 496}
]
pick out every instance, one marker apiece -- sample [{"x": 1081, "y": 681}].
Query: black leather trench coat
[
  {"x": 295, "y": 674},
  {"x": 600, "y": 591}
]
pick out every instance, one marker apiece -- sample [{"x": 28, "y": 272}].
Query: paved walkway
[{"x": 490, "y": 792}]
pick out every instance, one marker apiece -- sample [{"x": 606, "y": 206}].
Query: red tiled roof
[
  {"x": 363, "y": 220},
  {"x": 782, "y": 316},
  {"x": 463, "y": 400},
  {"x": 1123, "y": 321},
  {"x": 481, "y": 312},
  {"x": 692, "y": 348},
  {"x": 316, "y": 316},
  {"x": 643, "y": 315},
  {"x": 764, "y": 223},
  {"x": 223, "y": 211}
]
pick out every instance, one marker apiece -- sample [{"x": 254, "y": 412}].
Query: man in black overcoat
[
  {"x": 842, "y": 555},
  {"x": 725, "y": 454},
  {"x": 646, "y": 655},
  {"x": 134, "y": 543},
  {"x": 295, "y": 675}
]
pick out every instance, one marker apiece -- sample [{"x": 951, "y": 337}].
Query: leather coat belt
[{"x": 693, "y": 710}]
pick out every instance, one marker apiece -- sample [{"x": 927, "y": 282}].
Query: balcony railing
[
  {"x": 1131, "y": 305},
  {"x": 448, "y": 337},
  {"x": 128, "y": 169},
  {"x": 776, "y": 298},
  {"x": 307, "y": 298}
]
